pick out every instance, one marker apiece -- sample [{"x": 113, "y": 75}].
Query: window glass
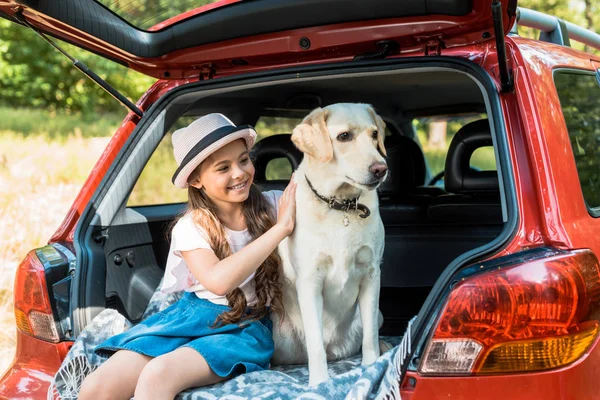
[
  {"x": 154, "y": 185},
  {"x": 279, "y": 168},
  {"x": 435, "y": 133},
  {"x": 144, "y": 14},
  {"x": 579, "y": 96}
]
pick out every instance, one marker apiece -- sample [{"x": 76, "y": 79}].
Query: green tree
[
  {"x": 34, "y": 74},
  {"x": 579, "y": 12},
  {"x": 580, "y": 102}
]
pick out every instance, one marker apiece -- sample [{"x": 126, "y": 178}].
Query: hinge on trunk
[
  {"x": 207, "y": 71},
  {"x": 433, "y": 47}
]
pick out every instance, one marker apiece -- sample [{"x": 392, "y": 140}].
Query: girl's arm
[{"x": 223, "y": 276}]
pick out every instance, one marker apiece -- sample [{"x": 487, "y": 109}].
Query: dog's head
[{"x": 347, "y": 139}]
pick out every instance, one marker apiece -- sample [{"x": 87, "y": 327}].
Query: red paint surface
[{"x": 33, "y": 368}]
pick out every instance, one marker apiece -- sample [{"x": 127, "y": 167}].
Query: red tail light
[
  {"x": 534, "y": 316},
  {"x": 33, "y": 312}
]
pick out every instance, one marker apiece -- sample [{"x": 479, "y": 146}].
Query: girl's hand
[{"x": 286, "y": 217}]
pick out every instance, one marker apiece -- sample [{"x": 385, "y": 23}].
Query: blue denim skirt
[{"x": 229, "y": 350}]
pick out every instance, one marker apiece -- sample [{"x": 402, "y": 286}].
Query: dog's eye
[
  {"x": 344, "y": 137},
  {"x": 375, "y": 134}
]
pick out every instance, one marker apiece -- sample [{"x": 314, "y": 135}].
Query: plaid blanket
[{"x": 349, "y": 380}]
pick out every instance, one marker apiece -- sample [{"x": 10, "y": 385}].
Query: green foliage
[
  {"x": 482, "y": 159},
  {"x": 580, "y": 12},
  {"x": 580, "y": 102},
  {"x": 34, "y": 74}
]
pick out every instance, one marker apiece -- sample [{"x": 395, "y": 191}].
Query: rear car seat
[
  {"x": 474, "y": 196},
  {"x": 403, "y": 198},
  {"x": 271, "y": 148}
]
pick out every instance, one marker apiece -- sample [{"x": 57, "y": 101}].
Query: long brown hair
[{"x": 259, "y": 216}]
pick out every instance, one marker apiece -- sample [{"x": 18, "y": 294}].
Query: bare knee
[
  {"x": 155, "y": 370},
  {"x": 155, "y": 378},
  {"x": 93, "y": 387}
]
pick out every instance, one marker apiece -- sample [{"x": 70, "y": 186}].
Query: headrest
[
  {"x": 270, "y": 148},
  {"x": 458, "y": 175},
  {"x": 406, "y": 165}
]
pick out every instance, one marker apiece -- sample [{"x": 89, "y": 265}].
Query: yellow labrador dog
[{"x": 332, "y": 259}]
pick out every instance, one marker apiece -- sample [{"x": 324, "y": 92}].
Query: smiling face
[
  {"x": 347, "y": 139},
  {"x": 226, "y": 175}
]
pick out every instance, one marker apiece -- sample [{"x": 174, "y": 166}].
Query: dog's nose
[{"x": 378, "y": 169}]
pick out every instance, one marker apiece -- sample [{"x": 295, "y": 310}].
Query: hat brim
[{"x": 199, "y": 154}]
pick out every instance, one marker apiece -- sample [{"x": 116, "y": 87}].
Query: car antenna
[{"x": 85, "y": 70}]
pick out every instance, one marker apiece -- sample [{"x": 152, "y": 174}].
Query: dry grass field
[{"x": 39, "y": 179}]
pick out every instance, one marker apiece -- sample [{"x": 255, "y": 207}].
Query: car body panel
[
  {"x": 552, "y": 212},
  {"x": 33, "y": 368}
]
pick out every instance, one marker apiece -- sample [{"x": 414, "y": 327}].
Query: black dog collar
[{"x": 344, "y": 204}]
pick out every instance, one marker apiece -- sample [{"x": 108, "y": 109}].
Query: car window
[
  {"x": 278, "y": 168},
  {"x": 144, "y": 14},
  {"x": 434, "y": 134},
  {"x": 579, "y": 95},
  {"x": 154, "y": 185}
]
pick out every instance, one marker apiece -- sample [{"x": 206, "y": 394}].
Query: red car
[{"x": 499, "y": 264}]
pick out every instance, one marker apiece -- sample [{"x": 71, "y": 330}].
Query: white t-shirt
[{"x": 186, "y": 236}]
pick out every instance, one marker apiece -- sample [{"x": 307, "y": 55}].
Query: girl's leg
[
  {"x": 116, "y": 378},
  {"x": 165, "y": 376}
]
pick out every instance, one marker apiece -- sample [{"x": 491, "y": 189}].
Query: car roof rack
[{"x": 555, "y": 30}]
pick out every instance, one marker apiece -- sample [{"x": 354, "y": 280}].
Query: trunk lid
[{"x": 166, "y": 40}]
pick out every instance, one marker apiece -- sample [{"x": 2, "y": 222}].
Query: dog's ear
[
  {"x": 311, "y": 136},
  {"x": 380, "y": 128}
]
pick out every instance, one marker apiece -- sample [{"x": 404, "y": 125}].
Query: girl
[{"x": 223, "y": 255}]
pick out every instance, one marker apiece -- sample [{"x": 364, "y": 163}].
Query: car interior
[{"x": 426, "y": 225}]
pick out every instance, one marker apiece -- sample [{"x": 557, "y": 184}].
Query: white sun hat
[{"x": 198, "y": 140}]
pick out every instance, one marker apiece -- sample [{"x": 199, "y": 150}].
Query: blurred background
[{"x": 54, "y": 123}]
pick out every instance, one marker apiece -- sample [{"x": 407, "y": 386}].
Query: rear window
[
  {"x": 154, "y": 185},
  {"x": 579, "y": 95},
  {"x": 144, "y": 14},
  {"x": 278, "y": 168},
  {"x": 434, "y": 134}
]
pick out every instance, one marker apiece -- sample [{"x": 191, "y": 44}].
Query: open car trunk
[{"x": 430, "y": 230}]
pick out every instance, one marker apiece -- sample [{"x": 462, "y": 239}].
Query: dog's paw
[
  {"x": 384, "y": 346},
  {"x": 317, "y": 378}
]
